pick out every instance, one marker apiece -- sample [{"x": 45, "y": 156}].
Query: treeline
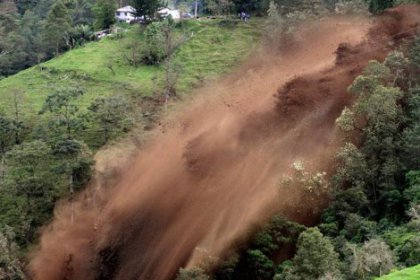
[
  {"x": 42, "y": 29},
  {"x": 373, "y": 222}
]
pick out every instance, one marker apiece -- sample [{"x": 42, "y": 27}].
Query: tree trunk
[{"x": 196, "y": 9}]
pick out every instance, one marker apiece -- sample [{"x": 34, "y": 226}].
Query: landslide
[{"x": 211, "y": 174}]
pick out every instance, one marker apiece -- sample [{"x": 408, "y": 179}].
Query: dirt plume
[{"x": 200, "y": 188}]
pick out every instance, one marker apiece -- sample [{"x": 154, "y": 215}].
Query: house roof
[
  {"x": 127, "y": 9},
  {"x": 166, "y": 11}
]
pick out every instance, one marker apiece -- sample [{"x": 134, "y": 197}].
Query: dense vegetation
[{"x": 55, "y": 115}]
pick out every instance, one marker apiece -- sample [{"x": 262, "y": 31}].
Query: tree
[
  {"x": 82, "y": 12},
  {"x": 315, "y": 257},
  {"x": 414, "y": 56},
  {"x": 6, "y": 133},
  {"x": 409, "y": 252},
  {"x": 19, "y": 127},
  {"x": 28, "y": 175},
  {"x": 376, "y": 118},
  {"x": 12, "y": 52},
  {"x": 184, "y": 8},
  {"x": 192, "y": 274},
  {"x": 58, "y": 23},
  {"x": 75, "y": 158},
  {"x": 349, "y": 7},
  {"x": 153, "y": 50},
  {"x": 411, "y": 134},
  {"x": 171, "y": 68},
  {"x": 276, "y": 234},
  {"x": 79, "y": 35},
  {"x": 412, "y": 191},
  {"x": 374, "y": 258},
  {"x": 219, "y": 7},
  {"x": 248, "y": 5},
  {"x": 42, "y": 8},
  {"x": 377, "y": 6},
  {"x": 10, "y": 265},
  {"x": 112, "y": 114},
  {"x": 62, "y": 104},
  {"x": 147, "y": 9},
  {"x": 352, "y": 167},
  {"x": 24, "y": 5},
  {"x": 262, "y": 266},
  {"x": 104, "y": 11},
  {"x": 32, "y": 30}
]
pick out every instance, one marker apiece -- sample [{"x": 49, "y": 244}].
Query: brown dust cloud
[{"x": 199, "y": 188}]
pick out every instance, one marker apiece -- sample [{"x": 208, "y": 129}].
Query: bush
[{"x": 153, "y": 51}]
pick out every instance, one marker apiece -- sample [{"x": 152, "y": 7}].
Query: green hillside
[
  {"x": 102, "y": 68},
  {"x": 411, "y": 273}
]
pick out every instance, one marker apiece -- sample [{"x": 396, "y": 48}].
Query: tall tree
[
  {"x": 315, "y": 257},
  {"x": 32, "y": 29},
  {"x": 11, "y": 266},
  {"x": 112, "y": 115},
  {"x": 147, "y": 8},
  {"x": 28, "y": 175},
  {"x": 82, "y": 12},
  {"x": 58, "y": 23},
  {"x": 6, "y": 133},
  {"x": 62, "y": 103},
  {"x": 374, "y": 258},
  {"x": 104, "y": 11},
  {"x": 75, "y": 158}
]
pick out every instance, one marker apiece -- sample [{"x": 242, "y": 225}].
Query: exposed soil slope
[{"x": 202, "y": 186}]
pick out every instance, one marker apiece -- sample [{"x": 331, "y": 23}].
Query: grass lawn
[
  {"x": 411, "y": 273},
  {"x": 103, "y": 69}
]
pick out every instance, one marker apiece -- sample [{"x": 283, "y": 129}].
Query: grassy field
[
  {"x": 411, "y": 273},
  {"x": 103, "y": 69}
]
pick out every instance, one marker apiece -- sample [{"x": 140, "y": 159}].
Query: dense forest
[{"x": 371, "y": 226}]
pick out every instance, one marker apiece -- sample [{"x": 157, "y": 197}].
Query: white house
[
  {"x": 166, "y": 12},
  {"x": 126, "y": 14}
]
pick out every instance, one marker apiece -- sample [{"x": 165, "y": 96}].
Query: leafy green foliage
[
  {"x": 104, "y": 13},
  {"x": 192, "y": 274},
  {"x": 29, "y": 179},
  {"x": 62, "y": 104},
  {"x": 376, "y": 182},
  {"x": 10, "y": 265},
  {"x": 262, "y": 266},
  {"x": 58, "y": 23},
  {"x": 315, "y": 257},
  {"x": 111, "y": 115},
  {"x": 374, "y": 258},
  {"x": 147, "y": 8},
  {"x": 7, "y": 131}
]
